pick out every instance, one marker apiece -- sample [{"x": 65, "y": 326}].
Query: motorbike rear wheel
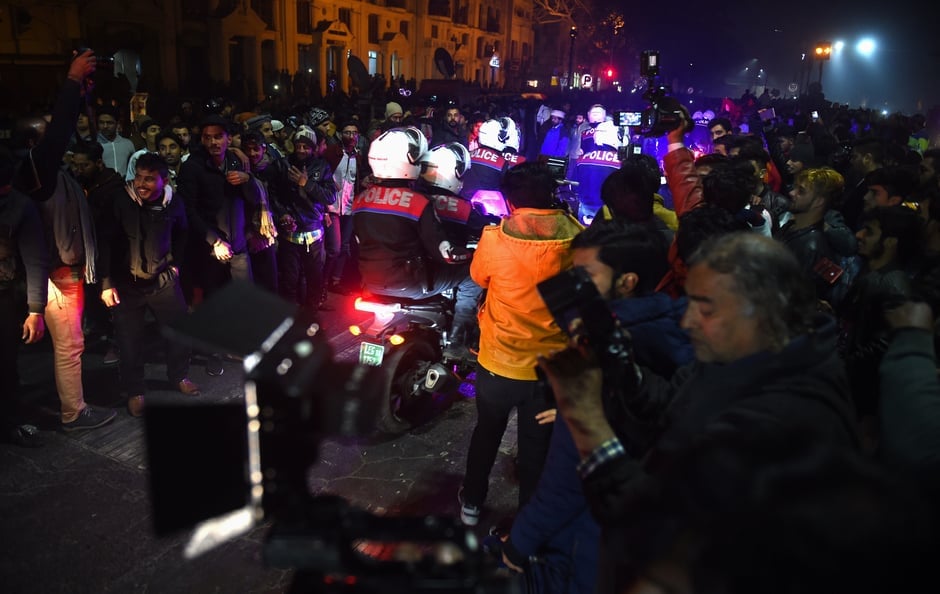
[{"x": 405, "y": 370}]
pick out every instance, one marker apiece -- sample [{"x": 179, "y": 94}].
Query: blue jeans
[{"x": 337, "y": 239}]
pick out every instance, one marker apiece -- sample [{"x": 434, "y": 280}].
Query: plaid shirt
[{"x": 610, "y": 449}]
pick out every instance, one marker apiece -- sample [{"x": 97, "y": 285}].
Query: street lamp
[
  {"x": 573, "y": 34},
  {"x": 822, "y": 52}
]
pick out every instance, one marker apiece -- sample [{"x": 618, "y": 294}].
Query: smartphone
[{"x": 814, "y": 115}]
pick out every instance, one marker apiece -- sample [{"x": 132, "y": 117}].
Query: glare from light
[
  {"x": 866, "y": 47},
  {"x": 838, "y": 45}
]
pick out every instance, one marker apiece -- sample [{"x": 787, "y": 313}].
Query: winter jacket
[
  {"x": 529, "y": 246},
  {"x": 216, "y": 209},
  {"x": 70, "y": 229},
  {"x": 799, "y": 393},
  {"x": 659, "y": 343},
  {"x": 307, "y": 204},
  {"x": 145, "y": 240}
]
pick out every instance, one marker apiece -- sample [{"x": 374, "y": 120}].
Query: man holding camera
[{"x": 766, "y": 365}]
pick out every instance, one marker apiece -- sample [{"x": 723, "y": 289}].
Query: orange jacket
[{"x": 529, "y": 246}]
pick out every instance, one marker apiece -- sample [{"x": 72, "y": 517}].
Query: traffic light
[
  {"x": 610, "y": 73},
  {"x": 823, "y": 50}
]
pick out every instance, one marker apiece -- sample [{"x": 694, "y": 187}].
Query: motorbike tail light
[
  {"x": 373, "y": 307},
  {"x": 396, "y": 339},
  {"x": 355, "y": 330}
]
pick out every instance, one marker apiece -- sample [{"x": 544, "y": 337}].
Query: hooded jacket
[{"x": 529, "y": 246}]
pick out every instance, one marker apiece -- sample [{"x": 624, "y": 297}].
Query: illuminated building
[{"x": 193, "y": 47}]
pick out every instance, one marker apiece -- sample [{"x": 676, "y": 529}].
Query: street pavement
[{"x": 75, "y": 514}]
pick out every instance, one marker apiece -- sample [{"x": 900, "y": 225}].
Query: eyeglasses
[{"x": 350, "y": 132}]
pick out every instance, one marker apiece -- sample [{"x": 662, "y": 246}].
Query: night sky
[{"x": 719, "y": 41}]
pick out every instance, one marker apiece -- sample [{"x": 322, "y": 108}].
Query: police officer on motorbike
[
  {"x": 443, "y": 169},
  {"x": 498, "y": 151},
  {"x": 403, "y": 249}
]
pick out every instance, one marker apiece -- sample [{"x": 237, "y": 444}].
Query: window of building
[
  {"x": 304, "y": 18},
  {"x": 373, "y": 62},
  {"x": 265, "y": 10},
  {"x": 434, "y": 32},
  {"x": 345, "y": 17},
  {"x": 439, "y": 8},
  {"x": 373, "y": 28}
]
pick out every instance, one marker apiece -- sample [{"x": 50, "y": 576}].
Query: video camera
[
  {"x": 663, "y": 114},
  {"x": 123, "y": 61},
  {"x": 252, "y": 467},
  {"x": 578, "y": 309}
]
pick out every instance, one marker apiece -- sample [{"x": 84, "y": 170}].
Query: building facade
[{"x": 257, "y": 48}]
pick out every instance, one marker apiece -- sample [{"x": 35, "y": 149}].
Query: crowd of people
[{"x": 763, "y": 416}]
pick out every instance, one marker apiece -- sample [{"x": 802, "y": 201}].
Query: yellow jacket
[
  {"x": 529, "y": 246},
  {"x": 659, "y": 210}
]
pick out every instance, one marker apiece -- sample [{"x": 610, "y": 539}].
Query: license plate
[{"x": 371, "y": 354}]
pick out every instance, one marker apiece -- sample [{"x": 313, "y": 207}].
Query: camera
[
  {"x": 122, "y": 62},
  {"x": 252, "y": 467},
  {"x": 628, "y": 118},
  {"x": 663, "y": 114},
  {"x": 578, "y": 309}
]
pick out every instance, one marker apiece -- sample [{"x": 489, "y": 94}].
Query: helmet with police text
[
  {"x": 596, "y": 114},
  {"x": 445, "y": 165},
  {"x": 607, "y": 134},
  {"x": 396, "y": 154},
  {"x": 499, "y": 133},
  {"x": 512, "y": 133}
]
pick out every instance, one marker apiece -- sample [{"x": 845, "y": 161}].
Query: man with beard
[
  {"x": 141, "y": 249},
  {"x": 102, "y": 187},
  {"x": 216, "y": 190},
  {"x": 350, "y": 171},
  {"x": 262, "y": 247},
  {"x": 308, "y": 191},
  {"x": 117, "y": 149},
  {"x": 449, "y": 129},
  {"x": 170, "y": 147}
]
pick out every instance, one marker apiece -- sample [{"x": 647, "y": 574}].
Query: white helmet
[
  {"x": 499, "y": 134},
  {"x": 596, "y": 114},
  {"x": 445, "y": 165},
  {"x": 396, "y": 154},
  {"x": 512, "y": 133},
  {"x": 606, "y": 134}
]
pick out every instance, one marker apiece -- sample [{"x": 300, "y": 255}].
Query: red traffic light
[{"x": 610, "y": 73}]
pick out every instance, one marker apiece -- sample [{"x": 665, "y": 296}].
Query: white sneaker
[{"x": 469, "y": 514}]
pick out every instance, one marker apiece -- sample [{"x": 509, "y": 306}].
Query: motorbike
[{"x": 406, "y": 338}]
